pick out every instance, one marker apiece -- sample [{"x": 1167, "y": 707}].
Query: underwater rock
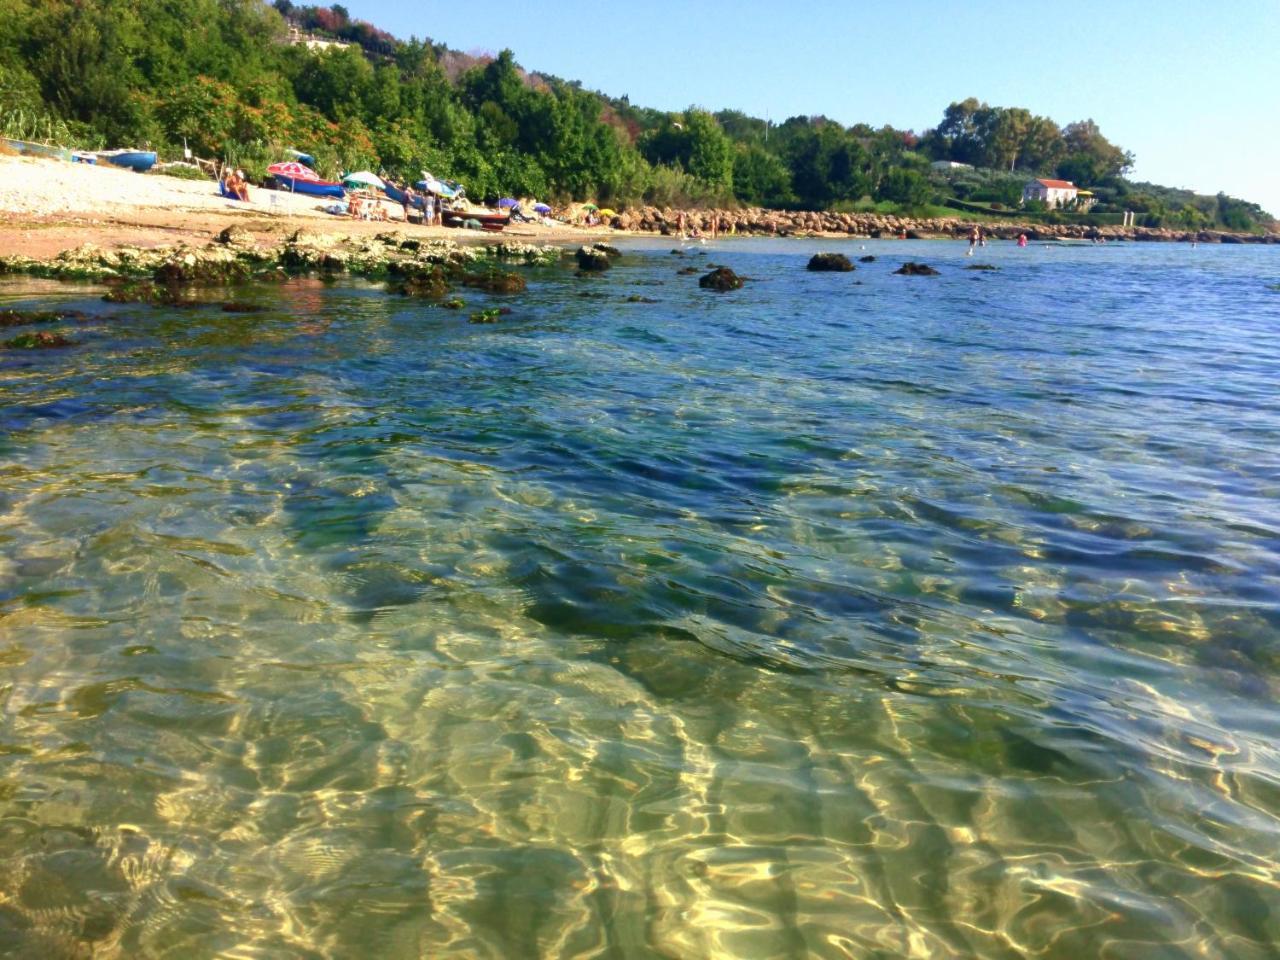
[
  {"x": 917, "y": 270},
  {"x": 20, "y": 318},
  {"x": 832, "y": 262},
  {"x": 40, "y": 340},
  {"x": 636, "y": 298},
  {"x": 496, "y": 281},
  {"x": 431, "y": 284},
  {"x": 236, "y": 306},
  {"x": 867, "y": 259},
  {"x": 982, "y": 266},
  {"x": 721, "y": 280}
]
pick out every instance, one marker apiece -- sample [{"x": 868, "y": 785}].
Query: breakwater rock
[
  {"x": 162, "y": 274},
  {"x": 757, "y": 221}
]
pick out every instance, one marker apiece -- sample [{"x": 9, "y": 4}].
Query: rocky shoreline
[{"x": 756, "y": 221}]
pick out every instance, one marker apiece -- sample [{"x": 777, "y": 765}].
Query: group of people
[
  {"x": 360, "y": 207},
  {"x": 979, "y": 239},
  {"x": 432, "y": 213}
]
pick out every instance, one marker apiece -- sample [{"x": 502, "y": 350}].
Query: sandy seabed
[{"x": 47, "y": 206}]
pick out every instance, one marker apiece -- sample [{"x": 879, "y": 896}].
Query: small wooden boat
[
  {"x": 494, "y": 222},
  {"x": 139, "y": 161}
]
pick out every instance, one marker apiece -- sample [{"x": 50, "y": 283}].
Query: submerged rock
[
  {"x": 636, "y": 298},
  {"x": 867, "y": 259},
  {"x": 40, "y": 340},
  {"x": 831, "y": 262},
  {"x": 917, "y": 270},
  {"x": 236, "y": 306},
  {"x": 431, "y": 283},
  {"x": 496, "y": 281},
  {"x": 721, "y": 280},
  {"x": 982, "y": 266},
  {"x": 20, "y": 318}
]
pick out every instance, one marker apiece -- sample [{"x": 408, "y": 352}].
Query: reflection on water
[{"x": 908, "y": 617}]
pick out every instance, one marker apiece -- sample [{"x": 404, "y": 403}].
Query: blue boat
[
  {"x": 139, "y": 161},
  {"x": 314, "y": 188},
  {"x": 396, "y": 195},
  {"x": 37, "y": 150}
]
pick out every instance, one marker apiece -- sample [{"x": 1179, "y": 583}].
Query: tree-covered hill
[{"x": 222, "y": 77}]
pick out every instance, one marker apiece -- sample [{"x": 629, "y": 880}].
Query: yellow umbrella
[{"x": 608, "y": 213}]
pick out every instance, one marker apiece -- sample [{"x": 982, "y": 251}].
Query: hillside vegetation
[{"x": 220, "y": 77}]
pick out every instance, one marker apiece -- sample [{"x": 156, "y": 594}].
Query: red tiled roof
[{"x": 1059, "y": 184}]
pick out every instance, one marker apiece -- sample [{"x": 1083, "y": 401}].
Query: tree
[
  {"x": 1091, "y": 157},
  {"x": 906, "y": 187},
  {"x": 760, "y": 177}
]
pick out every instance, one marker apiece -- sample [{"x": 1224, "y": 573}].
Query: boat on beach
[
  {"x": 295, "y": 177},
  {"x": 493, "y": 222},
  {"x": 28, "y": 149},
  {"x": 314, "y": 188},
  {"x": 139, "y": 161}
]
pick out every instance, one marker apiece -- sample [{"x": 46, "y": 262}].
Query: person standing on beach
[
  {"x": 428, "y": 210},
  {"x": 407, "y": 201}
]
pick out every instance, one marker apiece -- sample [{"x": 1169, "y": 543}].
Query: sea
[{"x": 846, "y": 615}]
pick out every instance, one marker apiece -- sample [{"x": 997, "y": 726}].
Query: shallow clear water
[{"x": 847, "y": 615}]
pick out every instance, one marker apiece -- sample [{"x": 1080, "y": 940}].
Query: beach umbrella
[
  {"x": 507, "y": 202},
  {"x": 294, "y": 170},
  {"x": 541, "y": 208},
  {"x": 606, "y": 212},
  {"x": 363, "y": 178},
  {"x": 589, "y": 206},
  {"x": 301, "y": 157}
]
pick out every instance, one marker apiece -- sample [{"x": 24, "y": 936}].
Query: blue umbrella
[
  {"x": 508, "y": 202},
  {"x": 541, "y": 208}
]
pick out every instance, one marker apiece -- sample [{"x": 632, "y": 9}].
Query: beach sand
[{"x": 47, "y": 206}]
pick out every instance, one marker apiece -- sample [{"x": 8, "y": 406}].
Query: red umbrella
[{"x": 293, "y": 169}]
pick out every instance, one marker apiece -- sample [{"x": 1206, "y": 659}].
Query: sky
[{"x": 1191, "y": 89}]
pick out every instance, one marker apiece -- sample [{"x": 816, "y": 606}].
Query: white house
[
  {"x": 1055, "y": 193},
  {"x": 950, "y": 165},
  {"x": 297, "y": 38}
]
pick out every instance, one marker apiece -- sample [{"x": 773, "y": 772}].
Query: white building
[
  {"x": 297, "y": 38},
  {"x": 950, "y": 165},
  {"x": 1055, "y": 193}
]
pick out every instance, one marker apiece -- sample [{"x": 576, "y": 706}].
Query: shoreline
[{"x": 48, "y": 207}]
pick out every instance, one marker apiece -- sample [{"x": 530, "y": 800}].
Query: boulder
[
  {"x": 721, "y": 279},
  {"x": 867, "y": 259},
  {"x": 917, "y": 270},
  {"x": 592, "y": 260},
  {"x": 235, "y": 236},
  {"x": 831, "y": 262}
]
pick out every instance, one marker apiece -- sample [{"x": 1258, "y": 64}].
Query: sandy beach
[{"x": 47, "y": 206}]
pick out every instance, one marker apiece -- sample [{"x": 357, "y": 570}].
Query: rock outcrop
[
  {"x": 721, "y": 279},
  {"x": 830, "y": 262}
]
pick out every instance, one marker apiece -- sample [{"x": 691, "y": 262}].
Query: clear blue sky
[{"x": 1192, "y": 89}]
